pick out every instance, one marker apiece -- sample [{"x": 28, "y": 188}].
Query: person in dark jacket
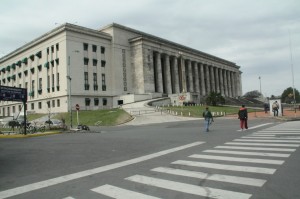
[
  {"x": 208, "y": 118},
  {"x": 243, "y": 116}
]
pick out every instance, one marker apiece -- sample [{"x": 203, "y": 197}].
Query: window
[
  {"x": 53, "y": 103},
  {"x": 40, "y": 105},
  {"x": 48, "y": 104},
  {"x": 96, "y": 101},
  {"x": 58, "y": 103},
  {"x": 95, "y": 81},
  {"x": 86, "y": 81},
  {"x": 52, "y": 49},
  {"x": 57, "y": 81},
  {"x": 26, "y": 85},
  {"x": 103, "y": 62},
  {"x": 47, "y": 51},
  {"x": 40, "y": 85},
  {"x": 94, "y": 48},
  {"x": 95, "y": 61},
  {"x": 32, "y": 106},
  {"x": 102, "y": 49},
  {"x": 48, "y": 83},
  {"x": 103, "y": 82},
  {"x": 57, "y": 47},
  {"x": 86, "y": 61},
  {"x": 104, "y": 101},
  {"x": 85, "y": 46},
  {"x": 87, "y": 101},
  {"x": 52, "y": 82}
]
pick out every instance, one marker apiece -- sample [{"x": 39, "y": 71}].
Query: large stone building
[{"x": 105, "y": 68}]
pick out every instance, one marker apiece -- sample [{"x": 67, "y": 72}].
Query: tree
[
  {"x": 215, "y": 98},
  {"x": 253, "y": 94},
  {"x": 288, "y": 97}
]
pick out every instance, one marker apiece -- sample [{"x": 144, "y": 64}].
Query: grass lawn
[{"x": 196, "y": 111}]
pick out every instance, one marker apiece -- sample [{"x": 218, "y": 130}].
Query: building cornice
[{"x": 54, "y": 32}]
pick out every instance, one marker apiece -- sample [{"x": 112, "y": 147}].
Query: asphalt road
[{"x": 166, "y": 160}]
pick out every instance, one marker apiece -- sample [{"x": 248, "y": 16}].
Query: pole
[
  {"x": 70, "y": 103},
  {"x": 25, "y": 119},
  {"x": 260, "y": 85},
  {"x": 77, "y": 118},
  {"x": 292, "y": 68}
]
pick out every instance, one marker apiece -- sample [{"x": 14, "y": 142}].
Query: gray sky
[{"x": 255, "y": 35}]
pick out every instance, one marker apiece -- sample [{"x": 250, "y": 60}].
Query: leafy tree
[
  {"x": 215, "y": 98},
  {"x": 253, "y": 94},
  {"x": 288, "y": 97}
]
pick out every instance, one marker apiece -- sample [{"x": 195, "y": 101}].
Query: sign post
[
  {"x": 77, "y": 109},
  {"x": 15, "y": 94}
]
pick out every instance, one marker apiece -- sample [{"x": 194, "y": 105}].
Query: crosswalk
[{"x": 247, "y": 162}]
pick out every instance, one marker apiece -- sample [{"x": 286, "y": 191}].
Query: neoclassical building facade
[{"x": 104, "y": 68}]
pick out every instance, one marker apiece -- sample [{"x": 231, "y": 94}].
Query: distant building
[{"x": 104, "y": 68}]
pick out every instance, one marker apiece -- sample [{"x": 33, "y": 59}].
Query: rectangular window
[
  {"x": 102, "y": 49},
  {"x": 57, "y": 81},
  {"x": 32, "y": 85},
  {"x": 85, "y": 46},
  {"x": 86, "y": 81},
  {"x": 87, "y": 101},
  {"x": 94, "y": 48},
  {"x": 53, "y": 103},
  {"x": 95, "y": 61},
  {"x": 103, "y": 83},
  {"x": 96, "y": 101},
  {"x": 52, "y": 82},
  {"x": 52, "y": 49},
  {"x": 103, "y": 63},
  {"x": 104, "y": 101},
  {"x": 58, "y": 103},
  {"x": 95, "y": 81},
  {"x": 85, "y": 61},
  {"x": 47, "y": 51},
  {"x": 40, "y": 105},
  {"x": 32, "y": 106},
  {"x": 57, "y": 47},
  {"x": 48, "y": 104}
]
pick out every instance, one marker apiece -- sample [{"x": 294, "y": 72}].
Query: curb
[{"x": 29, "y": 135}]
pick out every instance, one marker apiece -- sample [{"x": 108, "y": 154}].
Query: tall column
[
  {"x": 212, "y": 76},
  {"x": 225, "y": 83},
  {"x": 229, "y": 84},
  {"x": 183, "y": 77},
  {"x": 217, "y": 80},
  {"x": 221, "y": 82},
  {"x": 190, "y": 74},
  {"x": 196, "y": 72},
  {"x": 208, "y": 90},
  {"x": 158, "y": 82},
  {"x": 233, "y": 81},
  {"x": 167, "y": 75},
  {"x": 203, "y": 90},
  {"x": 176, "y": 75}
]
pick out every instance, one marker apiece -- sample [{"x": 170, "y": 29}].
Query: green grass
[
  {"x": 109, "y": 117},
  {"x": 196, "y": 111}
]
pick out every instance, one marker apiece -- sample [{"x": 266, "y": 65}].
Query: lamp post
[
  {"x": 70, "y": 88},
  {"x": 260, "y": 84}
]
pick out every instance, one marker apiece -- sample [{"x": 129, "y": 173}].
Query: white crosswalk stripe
[
  {"x": 226, "y": 167},
  {"x": 234, "y": 159},
  {"x": 261, "y": 144},
  {"x": 119, "y": 193},
  {"x": 214, "y": 177},
  {"x": 256, "y": 148},
  {"x": 249, "y": 153},
  {"x": 285, "y": 141},
  {"x": 188, "y": 188},
  {"x": 275, "y": 138}
]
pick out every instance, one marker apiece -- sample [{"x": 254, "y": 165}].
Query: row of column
[{"x": 176, "y": 75}]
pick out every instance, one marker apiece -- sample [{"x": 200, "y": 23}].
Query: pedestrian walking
[
  {"x": 275, "y": 107},
  {"x": 208, "y": 118},
  {"x": 243, "y": 117}
]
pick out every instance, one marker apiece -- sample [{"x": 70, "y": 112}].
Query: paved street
[{"x": 166, "y": 160}]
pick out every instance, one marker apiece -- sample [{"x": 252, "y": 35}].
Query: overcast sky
[{"x": 262, "y": 36}]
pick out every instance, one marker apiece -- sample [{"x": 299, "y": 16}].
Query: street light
[
  {"x": 70, "y": 87},
  {"x": 260, "y": 85}
]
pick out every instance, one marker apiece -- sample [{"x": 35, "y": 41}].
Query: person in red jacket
[{"x": 243, "y": 116}]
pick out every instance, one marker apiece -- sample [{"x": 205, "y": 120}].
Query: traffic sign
[{"x": 77, "y": 107}]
